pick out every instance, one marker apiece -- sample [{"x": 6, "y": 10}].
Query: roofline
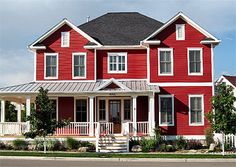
[
  {"x": 223, "y": 77},
  {"x": 210, "y": 42},
  {"x": 115, "y": 47},
  {"x": 56, "y": 27},
  {"x": 112, "y": 80},
  {"x": 188, "y": 20}
]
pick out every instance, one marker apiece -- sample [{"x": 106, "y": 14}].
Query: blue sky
[{"x": 23, "y": 21}]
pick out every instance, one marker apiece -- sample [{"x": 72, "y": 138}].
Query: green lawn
[{"x": 112, "y": 155}]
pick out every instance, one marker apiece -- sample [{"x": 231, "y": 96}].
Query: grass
[{"x": 111, "y": 155}]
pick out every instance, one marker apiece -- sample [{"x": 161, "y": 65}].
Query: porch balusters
[
  {"x": 91, "y": 115},
  {"x": 151, "y": 115},
  {"x": 134, "y": 115}
]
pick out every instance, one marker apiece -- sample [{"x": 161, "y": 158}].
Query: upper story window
[
  {"x": 65, "y": 39},
  {"x": 195, "y": 64},
  {"x": 196, "y": 110},
  {"x": 79, "y": 65},
  {"x": 166, "y": 110},
  {"x": 51, "y": 65},
  {"x": 165, "y": 57},
  {"x": 180, "y": 32},
  {"x": 117, "y": 62}
]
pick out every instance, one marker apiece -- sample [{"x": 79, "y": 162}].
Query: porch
[{"x": 110, "y": 105}]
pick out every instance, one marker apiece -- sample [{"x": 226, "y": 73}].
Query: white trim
[
  {"x": 173, "y": 110},
  {"x": 210, "y": 42},
  {"x": 222, "y": 78},
  {"x": 107, "y": 47},
  {"x": 55, "y": 28},
  {"x": 188, "y": 20},
  {"x": 148, "y": 64},
  {"x": 42, "y": 81},
  {"x": 132, "y": 79},
  {"x": 85, "y": 65},
  {"x": 95, "y": 65},
  {"x": 189, "y": 112},
  {"x": 51, "y": 54},
  {"x": 182, "y": 26},
  {"x": 112, "y": 80},
  {"x": 68, "y": 42},
  {"x": 212, "y": 70},
  {"x": 117, "y": 54},
  {"x": 35, "y": 65},
  {"x": 201, "y": 59},
  {"x": 167, "y": 84},
  {"x": 172, "y": 62},
  {"x": 151, "y": 42}
]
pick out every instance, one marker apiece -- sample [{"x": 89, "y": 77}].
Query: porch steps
[{"x": 112, "y": 144}]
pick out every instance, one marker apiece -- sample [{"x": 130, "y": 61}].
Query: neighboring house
[{"x": 123, "y": 70}]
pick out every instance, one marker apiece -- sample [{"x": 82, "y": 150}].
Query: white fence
[
  {"x": 229, "y": 139},
  {"x": 13, "y": 128}
]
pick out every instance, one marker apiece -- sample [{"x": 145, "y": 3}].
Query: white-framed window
[
  {"x": 127, "y": 109},
  {"x": 81, "y": 110},
  {"x": 165, "y": 61},
  {"x": 51, "y": 65},
  {"x": 195, "y": 61},
  {"x": 65, "y": 39},
  {"x": 180, "y": 31},
  {"x": 102, "y": 110},
  {"x": 166, "y": 110},
  {"x": 117, "y": 62},
  {"x": 196, "y": 110},
  {"x": 79, "y": 65}
]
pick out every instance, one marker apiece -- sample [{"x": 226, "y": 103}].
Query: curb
[{"x": 119, "y": 159}]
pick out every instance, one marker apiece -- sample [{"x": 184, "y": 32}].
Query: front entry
[{"x": 115, "y": 114}]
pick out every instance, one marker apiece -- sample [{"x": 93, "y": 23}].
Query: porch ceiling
[{"x": 77, "y": 87}]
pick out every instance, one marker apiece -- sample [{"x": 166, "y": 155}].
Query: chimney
[{"x": 88, "y": 17}]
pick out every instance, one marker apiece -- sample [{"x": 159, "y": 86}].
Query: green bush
[
  {"x": 72, "y": 143},
  {"x": 38, "y": 144},
  {"x": 19, "y": 144},
  {"x": 148, "y": 144},
  {"x": 209, "y": 136},
  {"x": 194, "y": 144},
  {"x": 181, "y": 143},
  {"x": 2, "y": 146},
  {"x": 55, "y": 145}
]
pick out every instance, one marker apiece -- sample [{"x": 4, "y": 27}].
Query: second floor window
[
  {"x": 65, "y": 39},
  {"x": 79, "y": 65},
  {"x": 180, "y": 32},
  {"x": 195, "y": 61},
  {"x": 165, "y": 61},
  {"x": 117, "y": 62},
  {"x": 51, "y": 65}
]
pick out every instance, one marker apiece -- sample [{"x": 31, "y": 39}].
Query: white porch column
[
  {"x": 134, "y": 111},
  {"x": 91, "y": 115},
  {"x": 19, "y": 113},
  {"x": 28, "y": 111},
  {"x": 2, "y": 111},
  {"x": 151, "y": 115}
]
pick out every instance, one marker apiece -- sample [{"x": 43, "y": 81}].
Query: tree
[
  {"x": 41, "y": 121},
  {"x": 10, "y": 113},
  {"x": 223, "y": 117}
]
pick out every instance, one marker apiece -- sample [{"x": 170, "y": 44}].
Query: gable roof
[
  {"x": 122, "y": 28},
  {"x": 231, "y": 79},
  {"x": 37, "y": 45},
  {"x": 109, "y": 82},
  {"x": 189, "y": 21}
]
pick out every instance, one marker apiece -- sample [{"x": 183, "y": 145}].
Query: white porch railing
[
  {"x": 13, "y": 128},
  {"x": 74, "y": 128},
  {"x": 106, "y": 128},
  {"x": 229, "y": 139},
  {"x": 142, "y": 128}
]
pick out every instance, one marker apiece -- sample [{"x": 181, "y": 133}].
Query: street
[{"x": 93, "y": 163}]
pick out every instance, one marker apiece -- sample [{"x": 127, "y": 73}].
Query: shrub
[
  {"x": 209, "y": 136},
  {"x": 19, "y": 144},
  {"x": 170, "y": 148},
  {"x": 38, "y": 144},
  {"x": 194, "y": 144},
  {"x": 72, "y": 143},
  {"x": 148, "y": 144},
  {"x": 133, "y": 142},
  {"x": 55, "y": 145},
  {"x": 181, "y": 143},
  {"x": 158, "y": 136},
  {"x": 2, "y": 146}
]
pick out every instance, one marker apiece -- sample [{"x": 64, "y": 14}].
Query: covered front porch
[{"x": 113, "y": 107}]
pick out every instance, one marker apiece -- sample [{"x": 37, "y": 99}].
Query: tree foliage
[
  {"x": 10, "y": 112},
  {"x": 223, "y": 118},
  {"x": 41, "y": 122}
]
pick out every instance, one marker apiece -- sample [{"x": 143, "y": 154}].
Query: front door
[{"x": 115, "y": 114}]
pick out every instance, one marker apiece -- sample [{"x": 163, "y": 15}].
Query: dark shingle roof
[
  {"x": 123, "y": 28},
  {"x": 231, "y": 79}
]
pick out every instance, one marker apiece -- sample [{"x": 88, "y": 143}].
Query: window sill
[
  {"x": 166, "y": 125},
  {"x": 200, "y": 124}
]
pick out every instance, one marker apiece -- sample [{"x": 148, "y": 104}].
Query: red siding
[
  {"x": 181, "y": 109},
  {"x": 137, "y": 65},
  {"x": 53, "y": 44},
  {"x": 66, "y": 108},
  {"x": 168, "y": 40},
  {"x": 142, "y": 108}
]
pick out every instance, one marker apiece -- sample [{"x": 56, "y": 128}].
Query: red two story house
[{"x": 122, "y": 70}]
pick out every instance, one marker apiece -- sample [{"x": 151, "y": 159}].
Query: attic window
[
  {"x": 65, "y": 39},
  {"x": 180, "y": 32}
]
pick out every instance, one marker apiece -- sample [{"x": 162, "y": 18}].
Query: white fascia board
[
  {"x": 115, "y": 47},
  {"x": 59, "y": 25},
  {"x": 210, "y": 42},
  {"x": 112, "y": 80},
  {"x": 151, "y": 42},
  {"x": 188, "y": 20}
]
